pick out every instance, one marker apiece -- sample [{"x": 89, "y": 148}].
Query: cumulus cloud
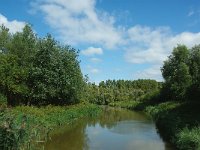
[
  {"x": 153, "y": 45},
  {"x": 14, "y": 26},
  {"x": 150, "y": 73},
  {"x": 91, "y": 51},
  {"x": 84, "y": 24},
  {"x": 92, "y": 70},
  {"x": 148, "y": 45},
  {"x": 78, "y": 21}
]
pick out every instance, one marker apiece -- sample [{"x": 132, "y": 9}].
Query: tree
[
  {"x": 38, "y": 71},
  {"x": 17, "y": 53},
  {"x": 55, "y": 77},
  {"x": 194, "y": 91},
  {"x": 5, "y": 38},
  {"x": 12, "y": 83},
  {"x": 176, "y": 73}
]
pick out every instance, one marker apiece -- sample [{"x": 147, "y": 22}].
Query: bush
[{"x": 189, "y": 139}]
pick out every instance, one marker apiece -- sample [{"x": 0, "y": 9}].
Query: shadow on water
[{"x": 114, "y": 129}]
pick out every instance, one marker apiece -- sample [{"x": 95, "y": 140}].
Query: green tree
[
  {"x": 5, "y": 38},
  {"x": 12, "y": 74},
  {"x": 12, "y": 82},
  {"x": 194, "y": 91},
  {"x": 38, "y": 71},
  {"x": 175, "y": 71},
  {"x": 55, "y": 77}
]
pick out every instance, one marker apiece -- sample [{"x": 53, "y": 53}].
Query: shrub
[{"x": 189, "y": 139}]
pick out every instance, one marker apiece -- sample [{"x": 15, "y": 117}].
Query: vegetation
[
  {"x": 182, "y": 74},
  {"x": 35, "y": 71},
  {"x": 120, "y": 91},
  {"x": 26, "y": 127},
  {"x": 35, "y": 75}
]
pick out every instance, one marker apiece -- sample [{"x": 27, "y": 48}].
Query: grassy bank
[
  {"x": 177, "y": 122},
  {"x": 27, "y": 127}
]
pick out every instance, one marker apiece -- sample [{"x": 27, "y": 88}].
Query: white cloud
[
  {"x": 94, "y": 71},
  {"x": 148, "y": 45},
  {"x": 151, "y": 73},
  {"x": 91, "y": 51},
  {"x": 95, "y": 60},
  {"x": 14, "y": 26},
  {"x": 78, "y": 21}
]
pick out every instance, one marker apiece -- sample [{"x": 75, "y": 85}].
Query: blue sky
[{"x": 117, "y": 39}]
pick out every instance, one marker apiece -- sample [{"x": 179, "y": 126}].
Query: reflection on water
[{"x": 115, "y": 129}]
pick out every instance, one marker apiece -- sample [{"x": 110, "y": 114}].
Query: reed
[{"x": 26, "y": 127}]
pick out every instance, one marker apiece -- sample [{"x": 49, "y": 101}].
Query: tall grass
[
  {"x": 189, "y": 139},
  {"x": 27, "y": 127}
]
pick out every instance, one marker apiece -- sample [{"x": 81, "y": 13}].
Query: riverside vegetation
[
  {"x": 42, "y": 87},
  {"x": 27, "y": 127},
  {"x": 174, "y": 104}
]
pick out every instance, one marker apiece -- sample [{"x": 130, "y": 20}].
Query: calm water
[{"x": 115, "y": 129}]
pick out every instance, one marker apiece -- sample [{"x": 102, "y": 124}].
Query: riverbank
[
  {"x": 26, "y": 127},
  {"x": 178, "y": 122}
]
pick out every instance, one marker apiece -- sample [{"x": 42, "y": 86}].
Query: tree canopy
[
  {"x": 182, "y": 73},
  {"x": 38, "y": 71},
  {"x": 120, "y": 90}
]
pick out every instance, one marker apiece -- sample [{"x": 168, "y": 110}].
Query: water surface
[{"x": 114, "y": 129}]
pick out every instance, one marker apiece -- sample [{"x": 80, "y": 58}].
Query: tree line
[
  {"x": 181, "y": 74},
  {"x": 120, "y": 90},
  {"x": 41, "y": 71},
  {"x": 38, "y": 71}
]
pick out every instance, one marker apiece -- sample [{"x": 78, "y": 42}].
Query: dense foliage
[
  {"x": 25, "y": 127},
  {"x": 112, "y": 91},
  {"x": 35, "y": 71},
  {"x": 182, "y": 74}
]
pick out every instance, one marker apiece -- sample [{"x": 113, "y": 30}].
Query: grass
[
  {"x": 27, "y": 127},
  {"x": 178, "y": 123},
  {"x": 125, "y": 104},
  {"x": 189, "y": 138}
]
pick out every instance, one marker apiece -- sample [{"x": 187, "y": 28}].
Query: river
[{"x": 114, "y": 129}]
